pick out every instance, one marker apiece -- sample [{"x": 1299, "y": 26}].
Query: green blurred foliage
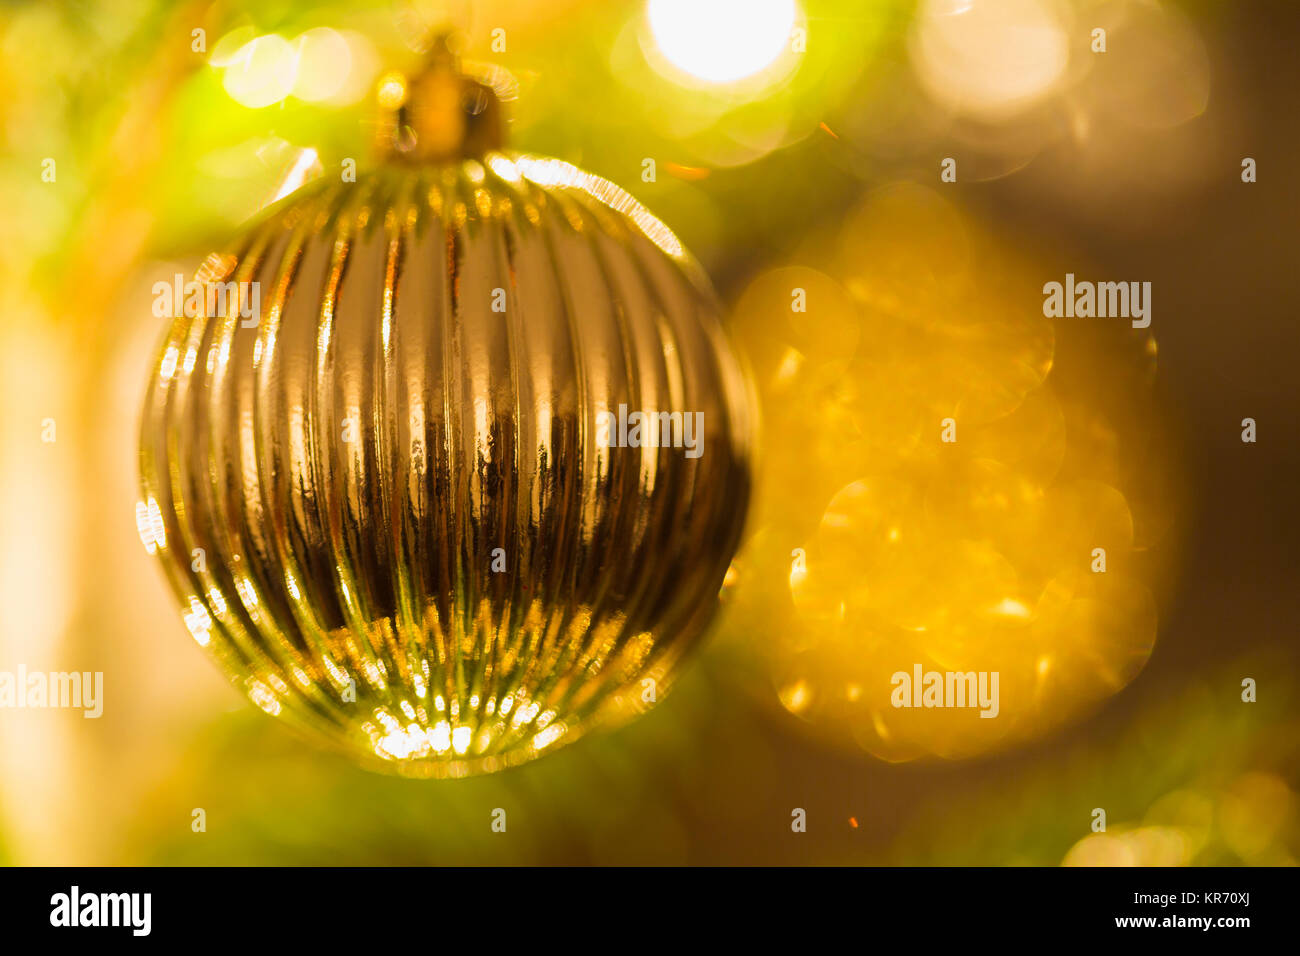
[
  {"x": 586, "y": 95},
  {"x": 704, "y": 779}
]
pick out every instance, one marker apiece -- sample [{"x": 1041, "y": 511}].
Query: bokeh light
[
  {"x": 324, "y": 60},
  {"x": 989, "y": 58},
  {"x": 261, "y": 72},
  {"x": 1252, "y": 819},
  {"x": 721, "y": 41},
  {"x": 886, "y": 544},
  {"x": 321, "y": 65}
]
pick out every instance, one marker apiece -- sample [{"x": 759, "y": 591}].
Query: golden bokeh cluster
[{"x": 950, "y": 481}]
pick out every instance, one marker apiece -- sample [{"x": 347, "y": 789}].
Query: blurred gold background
[{"x": 1124, "y": 164}]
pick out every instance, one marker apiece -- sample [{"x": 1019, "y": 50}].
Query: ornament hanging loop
[{"x": 441, "y": 113}]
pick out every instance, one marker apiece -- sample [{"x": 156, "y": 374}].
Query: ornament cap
[{"x": 440, "y": 113}]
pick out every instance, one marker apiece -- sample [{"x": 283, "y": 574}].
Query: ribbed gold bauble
[{"x": 404, "y": 503}]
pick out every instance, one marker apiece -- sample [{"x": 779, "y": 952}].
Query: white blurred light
[
  {"x": 228, "y": 47},
  {"x": 324, "y": 62},
  {"x": 305, "y": 167},
  {"x": 262, "y": 71},
  {"x": 364, "y": 65},
  {"x": 989, "y": 58},
  {"x": 721, "y": 40}
]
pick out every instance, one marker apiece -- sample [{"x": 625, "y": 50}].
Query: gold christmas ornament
[{"x": 465, "y": 483}]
